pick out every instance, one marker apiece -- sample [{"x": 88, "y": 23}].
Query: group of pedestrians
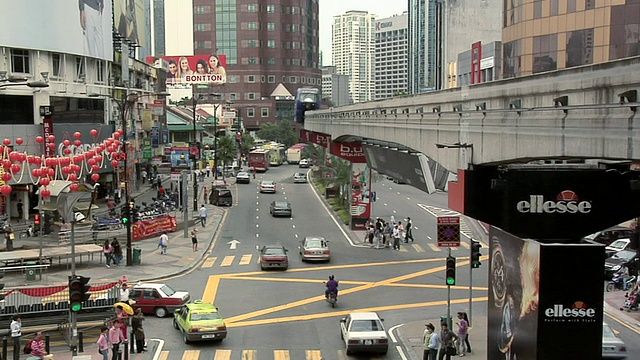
[
  {"x": 34, "y": 348},
  {"x": 112, "y": 252},
  {"x": 447, "y": 343},
  {"x": 386, "y": 234}
]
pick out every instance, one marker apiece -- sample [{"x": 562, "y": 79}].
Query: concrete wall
[{"x": 595, "y": 126}]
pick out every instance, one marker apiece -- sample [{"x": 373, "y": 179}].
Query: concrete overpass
[{"x": 578, "y": 113}]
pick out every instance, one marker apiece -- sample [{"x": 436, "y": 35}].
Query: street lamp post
[{"x": 194, "y": 100}]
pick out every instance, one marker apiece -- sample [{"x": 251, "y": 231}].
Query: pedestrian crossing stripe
[
  {"x": 225, "y": 354},
  {"x": 248, "y": 355},
  {"x": 434, "y": 247},
  {"x": 228, "y": 260},
  {"x": 417, "y": 247},
  {"x": 164, "y": 355},
  {"x": 191, "y": 355},
  {"x": 281, "y": 355},
  {"x": 220, "y": 355},
  {"x": 246, "y": 259},
  {"x": 209, "y": 262}
]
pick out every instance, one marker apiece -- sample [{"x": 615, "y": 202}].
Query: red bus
[{"x": 259, "y": 160}]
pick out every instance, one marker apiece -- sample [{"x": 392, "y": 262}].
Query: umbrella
[{"x": 125, "y": 307}]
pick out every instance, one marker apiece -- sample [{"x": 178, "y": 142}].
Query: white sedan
[
  {"x": 364, "y": 332},
  {"x": 299, "y": 177}
]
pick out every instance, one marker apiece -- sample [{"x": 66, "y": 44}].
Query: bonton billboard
[
  {"x": 74, "y": 27},
  {"x": 193, "y": 70}
]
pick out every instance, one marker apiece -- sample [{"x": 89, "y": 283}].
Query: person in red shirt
[
  {"x": 115, "y": 337},
  {"x": 37, "y": 346}
]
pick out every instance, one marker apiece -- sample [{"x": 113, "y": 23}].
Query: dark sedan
[
  {"x": 274, "y": 257},
  {"x": 280, "y": 208},
  {"x": 615, "y": 262}
]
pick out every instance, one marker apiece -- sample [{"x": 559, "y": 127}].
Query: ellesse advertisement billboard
[{"x": 551, "y": 204}]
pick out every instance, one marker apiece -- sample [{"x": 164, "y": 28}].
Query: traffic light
[
  {"x": 78, "y": 292},
  {"x": 1, "y": 286},
  {"x": 450, "y": 273},
  {"x": 124, "y": 214},
  {"x": 37, "y": 222},
  {"x": 475, "y": 254}
]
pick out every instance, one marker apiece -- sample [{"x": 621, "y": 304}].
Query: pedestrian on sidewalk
[
  {"x": 138, "y": 331},
  {"x": 463, "y": 334},
  {"x": 16, "y": 334},
  {"x": 103, "y": 343},
  {"x": 431, "y": 342},
  {"x": 38, "y": 349},
  {"x": 115, "y": 338},
  {"x": 164, "y": 242},
  {"x": 9, "y": 236},
  {"x": 124, "y": 293},
  {"x": 20, "y": 207},
  {"x": 117, "y": 251},
  {"x": 205, "y": 192},
  {"x": 396, "y": 238},
  {"x": 409, "y": 231},
  {"x": 447, "y": 342},
  {"x": 203, "y": 215},
  {"x": 194, "y": 239},
  {"x": 107, "y": 250},
  {"x": 143, "y": 175}
]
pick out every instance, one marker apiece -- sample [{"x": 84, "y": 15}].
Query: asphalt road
[{"x": 275, "y": 314}]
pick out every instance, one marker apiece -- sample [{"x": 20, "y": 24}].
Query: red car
[
  {"x": 274, "y": 257},
  {"x": 158, "y": 299}
]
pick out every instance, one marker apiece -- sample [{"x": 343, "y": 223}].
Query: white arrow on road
[{"x": 233, "y": 244}]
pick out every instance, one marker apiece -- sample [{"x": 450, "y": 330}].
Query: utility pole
[
  {"x": 185, "y": 203},
  {"x": 470, "y": 281}
]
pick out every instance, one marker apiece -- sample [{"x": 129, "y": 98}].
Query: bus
[
  {"x": 294, "y": 153},
  {"x": 259, "y": 160},
  {"x": 306, "y": 99},
  {"x": 276, "y": 153}
]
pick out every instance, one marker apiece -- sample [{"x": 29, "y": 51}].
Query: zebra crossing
[{"x": 229, "y": 354}]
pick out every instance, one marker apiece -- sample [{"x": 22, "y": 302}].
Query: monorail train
[{"x": 306, "y": 99}]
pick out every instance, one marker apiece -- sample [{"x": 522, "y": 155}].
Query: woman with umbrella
[{"x": 123, "y": 311}]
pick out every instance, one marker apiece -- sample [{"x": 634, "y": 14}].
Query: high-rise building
[
  {"x": 550, "y": 35},
  {"x": 265, "y": 45},
  {"x": 158, "y": 28},
  {"x": 422, "y": 46},
  {"x": 335, "y": 87},
  {"x": 391, "y": 56},
  {"x": 353, "y": 52}
]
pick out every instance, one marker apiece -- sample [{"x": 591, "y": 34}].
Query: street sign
[
  {"x": 147, "y": 150},
  {"x": 448, "y": 231},
  {"x": 176, "y": 176}
]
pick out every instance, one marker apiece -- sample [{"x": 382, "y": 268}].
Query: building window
[
  {"x": 56, "y": 66},
  {"x": 271, "y": 26},
  {"x": 252, "y": 43},
  {"x": 537, "y": 9},
  {"x": 512, "y": 51},
  {"x": 303, "y": 79},
  {"x": 545, "y": 53},
  {"x": 271, "y": 44},
  {"x": 100, "y": 71},
  {"x": 203, "y": 27},
  {"x": 271, "y": 79},
  {"x": 271, "y": 61},
  {"x": 251, "y": 96},
  {"x": 203, "y": 44},
  {"x": 252, "y": 61},
  {"x": 80, "y": 72},
  {"x": 200, "y": 10},
  {"x": 263, "y": 79},
  {"x": 571, "y": 6},
  {"x": 271, "y": 9},
  {"x": 294, "y": 10},
  {"x": 251, "y": 112},
  {"x": 20, "y": 61},
  {"x": 265, "y": 112},
  {"x": 233, "y": 96},
  {"x": 252, "y": 7},
  {"x": 579, "y": 48},
  {"x": 251, "y": 78},
  {"x": 294, "y": 27},
  {"x": 293, "y": 79},
  {"x": 589, "y": 4},
  {"x": 252, "y": 26},
  {"x": 233, "y": 79}
]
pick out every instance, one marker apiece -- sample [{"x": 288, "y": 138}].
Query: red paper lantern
[
  {"x": 6, "y": 189},
  {"x": 115, "y": 163},
  {"x": 66, "y": 142},
  {"x": 91, "y": 162},
  {"x": 52, "y": 146},
  {"x": 22, "y": 157},
  {"x": 77, "y": 134},
  {"x": 19, "y": 141},
  {"x": 51, "y": 172},
  {"x": 15, "y": 168},
  {"x": 14, "y": 156},
  {"x": 95, "y": 168},
  {"x": 52, "y": 138},
  {"x": 66, "y": 151},
  {"x": 37, "y": 161},
  {"x": 7, "y": 142},
  {"x": 74, "y": 187},
  {"x": 95, "y": 177},
  {"x": 45, "y": 181},
  {"x": 77, "y": 143},
  {"x": 6, "y": 177},
  {"x": 98, "y": 158},
  {"x": 36, "y": 172},
  {"x": 39, "y": 139},
  {"x": 93, "y": 132},
  {"x": 120, "y": 131},
  {"x": 45, "y": 193},
  {"x": 73, "y": 177},
  {"x": 6, "y": 164},
  {"x": 76, "y": 168}
]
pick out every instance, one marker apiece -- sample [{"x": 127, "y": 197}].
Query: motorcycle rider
[
  {"x": 332, "y": 287},
  {"x": 624, "y": 274}
]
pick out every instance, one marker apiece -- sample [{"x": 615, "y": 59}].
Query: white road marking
[
  {"x": 156, "y": 355},
  {"x": 391, "y": 334},
  {"x": 257, "y": 217},
  {"x": 428, "y": 237},
  {"x": 385, "y": 204},
  {"x": 401, "y": 352},
  {"x": 257, "y": 235},
  {"x": 296, "y": 235},
  {"x": 257, "y": 225}
]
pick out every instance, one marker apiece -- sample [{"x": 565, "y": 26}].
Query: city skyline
[{"x": 330, "y": 8}]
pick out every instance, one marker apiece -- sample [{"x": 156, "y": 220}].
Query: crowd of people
[
  {"x": 447, "y": 343},
  {"x": 387, "y": 234}
]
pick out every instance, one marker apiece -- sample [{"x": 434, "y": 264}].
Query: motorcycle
[
  {"x": 29, "y": 232},
  {"x": 617, "y": 283},
  {"x": 332, "y": 299}
]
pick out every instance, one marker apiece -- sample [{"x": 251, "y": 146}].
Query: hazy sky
[{"x": 330, "y": 8}]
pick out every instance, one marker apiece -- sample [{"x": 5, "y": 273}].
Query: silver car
[
  {"x": 280, "y": 208},
  {"x": 315, "y": 248},
  {"x": 299, "y": 177},
  {"x": 267, "y": 186},
  {"x": 612, "y": 346},
  {"x": 243, "y": 178}
]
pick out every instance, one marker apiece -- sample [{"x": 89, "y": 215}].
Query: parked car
[
  {"x": 612, "y": 346},
  {"x": 243, "y": 177},
  {"x": 364, "y": 332},
  {"x": 267, "y": 186},
  {"x": 280, "y": 208},
  {"x": 158, "y": 299},
  {"x": 199, "y": 321},
  {"x": 618, "y": 245},
  {"x": 304, "y": 163},
  {"x": 315, "y": 248},
  {"x": 274, "y": 257},
  {"x": 299, "y": 177},
  {"x": 219, "y": 184},
  {"x": 609, "y": 235},
  {"x": 615, "y": 262},
  {"x": 220, "y": 197}
]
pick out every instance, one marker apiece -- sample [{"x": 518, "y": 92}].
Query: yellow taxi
[{"x": 199, "y": 321}]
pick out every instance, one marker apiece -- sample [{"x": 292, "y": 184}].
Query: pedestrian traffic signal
[
  {"x": 450, "y": 273},
  {"x": 124, "y": 214},
  {"x": 475, "y": 254},
  {"x": 78, "y": 292},
  {"x": 37, "y": 219}
]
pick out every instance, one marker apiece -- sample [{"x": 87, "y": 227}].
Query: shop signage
[
  {"x": 154, "y": 227},
  {"x": 350, "y": 151}
]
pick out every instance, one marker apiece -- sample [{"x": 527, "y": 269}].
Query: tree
[
  {"x": 282, "y": 132},
  {"x": 227, "y": 150},
  {"x": 248, "y": 143}
]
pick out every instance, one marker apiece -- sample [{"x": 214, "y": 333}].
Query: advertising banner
[
  {"x": 350, "y": 151},
  {"x": 130, "y": 20},
  {"x": 76, "y": 27},
  {"x": 155, "y": 136},
  {"x": 194, "y": 70},
  {"x": 360, "y": 199},
  {"x": 154, "y": 227},
  {"x": 410, "y": 168},
  {"x": 147, "y": 120},
  {"x": 147, "y": 149},
  {"x": 560, "y": 205},
  {"x": 180, "y": 157},
  {"x": 541, "y": 305},
  {"x": 47, "y": 130}
]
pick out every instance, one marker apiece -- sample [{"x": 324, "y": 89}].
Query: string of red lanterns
[{"x": 71, "y": 166}]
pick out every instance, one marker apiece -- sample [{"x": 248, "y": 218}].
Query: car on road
[
  {"x": 299, "y": 177},
  {"x": 304, "y": 163},
  {"x": 158, "y": 299},
  {"x": 274, "y": 257},
  {"x": 618, "y": 245},
  {"x": 243, "y": 177},
  {"x": 199, "y": 321},
  {"x": 221, "y": 197},
  {"x": 219, "y": 184},
  {"x": 615, "y": 261},
  {"x": 612, "y": 346},
  {"x": 267, "y": 186},
  {"x": 364, "y": 332},
  {"x": 315, "y": 248},
  {"x": 280, "y": 208}
]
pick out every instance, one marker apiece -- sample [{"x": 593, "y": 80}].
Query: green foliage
[
  {"x": 282, "y": 132},
  {"x": 248, "y": 143},
  {"x": 344, "y": 215},
  {"x": 227, "y": 150}
]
